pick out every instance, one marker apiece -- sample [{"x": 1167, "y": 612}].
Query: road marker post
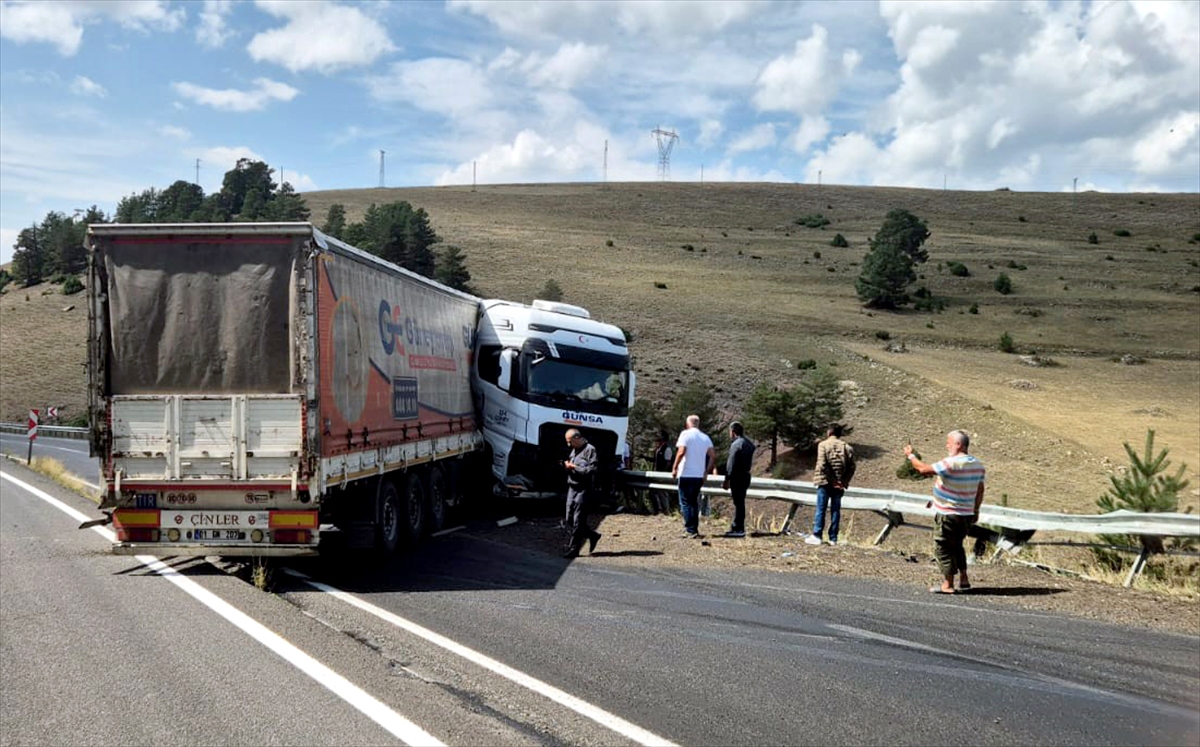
[{"x": 33, "y": 424}]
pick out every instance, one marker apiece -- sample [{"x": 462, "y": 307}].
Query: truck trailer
[{"x": 256, "y": 387}]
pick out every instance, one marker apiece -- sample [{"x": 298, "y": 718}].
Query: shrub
[
  {"x": 806, "y": 364},
  {"x": 551, "y": 291},
  {"x": 1122, "y": 233},
  {"x": 974, "y": 309},
  {"x": 813, "y": 220},
  {"x": 662, "y": 286},
  {"x": 608, "y": 243},
  {"x": 71, "y": 286},
  {"x": 906, "y": 472},
  {"x": 839, "y": 240},
  {"x": 1196, "y": 237},
  {"x": 1093, "y": 238},
  {"x": 689, "y": 247},
  {"x": 883, "y": 334},
  {"x": 958, "y": 269},
  {"x": 1006, "y": 344},
  {"x": 1002, "y": 284},
  {"x": 1109, "y": 258},
  {"x": 1014, "y": 265},
  {"x": 1020, "y": 218},
  {"x": 816, "y": 255}
]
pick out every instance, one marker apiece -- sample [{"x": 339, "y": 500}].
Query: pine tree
[
  {"x": 335, "y": 220},
  {"x": 1145, "y": 487},
  {"x": 766, "y": 415},
  {"x": 452, "y": 269},
  {"x": 888, "y": 268}
]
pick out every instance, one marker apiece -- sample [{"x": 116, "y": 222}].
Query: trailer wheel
[
  {"x": 439, "y": 497},
  {"x": 413, "y": 507},
  {"x": 387, "y": 529}
]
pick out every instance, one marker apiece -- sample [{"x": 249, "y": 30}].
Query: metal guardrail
[
  {"x": 50, "y": 431},
  {"x": 1013, "y": 527}
]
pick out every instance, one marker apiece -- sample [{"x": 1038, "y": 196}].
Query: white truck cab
[{"x": 538, "y": 371}]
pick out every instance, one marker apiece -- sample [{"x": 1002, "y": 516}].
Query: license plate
[{"x": 218, "y": 534}]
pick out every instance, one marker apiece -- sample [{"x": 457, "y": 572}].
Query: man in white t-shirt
[{"x": 694, "y": 459}]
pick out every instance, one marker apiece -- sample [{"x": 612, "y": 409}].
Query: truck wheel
[
  {"x": 413, "y": 507},
  {"x": 438, "y": 499},
  {"x": 387, "y": 529}
]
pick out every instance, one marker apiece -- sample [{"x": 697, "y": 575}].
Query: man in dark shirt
[
  {"x": 581, "y": 472},
  {"x": 737, "y": 476}
]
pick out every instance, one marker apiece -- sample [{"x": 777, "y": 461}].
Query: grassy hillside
[{"x": 751, "y": 297}]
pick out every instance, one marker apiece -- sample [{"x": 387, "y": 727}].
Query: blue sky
[{"x": 99, "y": 100}]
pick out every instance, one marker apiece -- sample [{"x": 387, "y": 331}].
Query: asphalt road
[
  {"x": 478, "y": 642},
  {"x": 71, "y": 452}
]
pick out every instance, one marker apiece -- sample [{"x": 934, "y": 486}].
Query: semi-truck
[{"x": 255, "y": 388}]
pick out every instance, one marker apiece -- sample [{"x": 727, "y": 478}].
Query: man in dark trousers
[
  {"x": 581, "y": 473},
  {"x": 832, "y": 475},
  {"x": 737, "y": 476}
]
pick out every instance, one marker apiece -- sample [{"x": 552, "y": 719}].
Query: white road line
[
  {"x": 393, "y": 722},
  {"x": 583, "y": 708}
]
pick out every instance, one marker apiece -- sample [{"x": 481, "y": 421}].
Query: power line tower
[
  {"x": 381, "y": 152},
  {"x": 666, "y": 141}
]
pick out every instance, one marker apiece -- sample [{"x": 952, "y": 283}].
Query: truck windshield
[{"x": 575, "y": 383}]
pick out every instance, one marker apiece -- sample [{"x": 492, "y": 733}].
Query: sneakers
[
  {"x": 691, "y": 535},
  {"x": 732, "y": 533},
  {"x": 812, "y": 539},
  {"x": 833, "y": 543},
  {"x": 592, "y": 542}
]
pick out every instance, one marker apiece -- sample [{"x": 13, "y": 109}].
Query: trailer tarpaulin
[{"x": 200, "y": 313}]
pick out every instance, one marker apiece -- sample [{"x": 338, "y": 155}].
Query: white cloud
[
  {"x": 257, "y": 98},
  {"x": 812, "y": 130},
  {"x": 212, "y": 32},
  {"x": 446, "y": 86},
  {"x": 320, "y": 36},
  {"x": 1167, "y": 145},
  {"x": 566, "y": 68},
  {"x": 8, "y": 237},
  {"x": 758, "y": 137},
  {"x": 84, "y": 86},
  {"x": 61, "y": 23},
  {"x": 710, "y": 132},
  {"x": 668, "y": 20},
  {"x": 805, "y": 81},
  {"x": 49, "y": 23},
  {"x": 175, "y": 133}
]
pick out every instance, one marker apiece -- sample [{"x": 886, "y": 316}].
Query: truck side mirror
[{"x": 507, "y": 358}]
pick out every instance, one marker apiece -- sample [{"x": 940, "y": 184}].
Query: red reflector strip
[
  {"x": 297, "y": 519},
  {"x": 137, "y": 535},
  {"x": 290, "y": 536},
  {"x": 145, "y": 517}
]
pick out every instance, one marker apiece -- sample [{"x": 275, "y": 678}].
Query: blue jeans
[
  {"x": 832, "y": 498},
  {"x": 689, "y": 502}
]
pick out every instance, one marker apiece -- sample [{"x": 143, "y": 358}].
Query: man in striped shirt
[{"x": 957, "y": 495}]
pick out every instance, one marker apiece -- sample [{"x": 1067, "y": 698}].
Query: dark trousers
[
  {"x": 578, "y": 504},
  {"x": 689, "y": 502},
  {"x": 949, "y": 533},
  {"x": 738, "y": 485}
]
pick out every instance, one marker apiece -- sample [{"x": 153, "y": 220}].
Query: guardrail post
[
  {"x": 1138, "y": 565},
  {"x": 894, "y": 519},
  {"x": 787, "y": 523}
]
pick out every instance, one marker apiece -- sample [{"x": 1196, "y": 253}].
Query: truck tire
[
  {"x": 413, "y": 509},
  {"x": 390, "y": 515},
  {"x": 438, "y": 498}
]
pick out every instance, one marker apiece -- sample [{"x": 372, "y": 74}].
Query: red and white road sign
[
  {"x": 52, "y": 412},
  {"x": 33, "y": 424}
]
